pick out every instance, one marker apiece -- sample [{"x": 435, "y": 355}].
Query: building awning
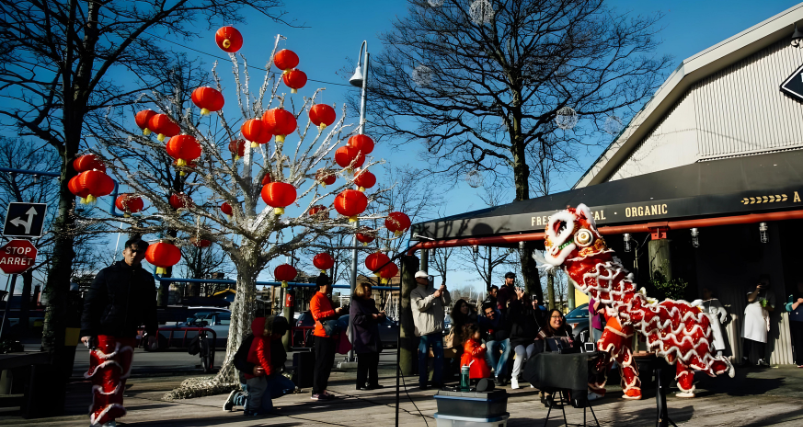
[{"x": 738, "y": 186}]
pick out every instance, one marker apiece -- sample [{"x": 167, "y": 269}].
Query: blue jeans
[
  {"x": 434, "y": 340},
  {"x": 499, "y": 364},
  {"x": 262, "y": 391}
]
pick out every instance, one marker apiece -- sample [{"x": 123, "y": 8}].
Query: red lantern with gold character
[
  {"x": 226, "y": 209},
  {"x": 285, "y": 60},
  {"x": 184, "y": 148},
  {"x": 181, "y": 201},
  {"x": 366, "y": 236},
  {"x": 363, "y": 143},
  {"x": 207, "y": 99},
  {"x": 279, "y": 195},
  {"x": 322, "y": 115},
  {"x": 88, "y": 162},
  {"x": 294, "y": 79},
  {"x": 143, "y": 119},
  {"x": 163, "y": 127},
  {"x": 325, "y": 177},
  {"x": 376, "y": 261},
  {"x": 129, "y": 203},
  {"x": 397, "y": 222},
  {"x": 163, "y": 255},
  {"x": 200, "y": 243},
  {"x": 349, "y": 157},
  {"x": 237, "y": 148},
  {"x": 255, "y": 131},
  {"x": 388, "y": 272},
  {"x": 285, "y": 273},
  {"x": 364, "y": 179},
  {"x": 323, "y": 262},
  {"x": 92, "y": 184},
  {"x": 280, "y": 122},
  {"x": 229, "y": 39},
  {"x": 351, "y": 203}
]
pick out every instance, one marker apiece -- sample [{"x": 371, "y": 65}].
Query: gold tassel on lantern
[
  {"x": 161, "y": 270},
  {"x": 161, "y": 137},
  {"x": 322, "y": 126},
  {"x": 146, "y": 131},
  {"x": 181, "y": 162},
  {"x": 279, "y": 138},
  {"x": 254, "y": 145},
  {"x": 398, "y": 233},
  {"x": 361, "y": 189},
  {"x": 90, "y": 199},
  {"x": 353, "y": 218},
  {"x": 365, "y": 243},
  {"x": 278, "y": 211},
  {"x": 284, "y": 284},
  {"x": 204, "y": 111},
  {"x": 323, "y": 271},
  {"x": 293, "y": 91}
]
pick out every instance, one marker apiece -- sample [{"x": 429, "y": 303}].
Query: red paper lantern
[
  {"x": 237, "y": 148},
  {"x": 388, "y": 272},
  {"x": 129, "y": 203},
  {"x": 285, "y": 273},
  {"x": 226, "y": 209},
  {"x": 181, "y": 201},
  {"x": 294, "y": 79},
  {"x": 351, "y": 203},
  {"x": 279, "y": 195},
  {"x": 397, "y": 222},
  {"x": 163, "y": 255},
  {"x": 163, "y": 126},
  {"x": 349, "y": 157},
  {"x": 92, "y": 184},
  {"x": 200, "y": 243},
  {"x": 229, "y": 39},
  {"x": 323, "y": 262},
  {"x": 376, "y": 261},
  {"x": 185, "y": 149},
  {"x": 322, "y": 115},
  {"x": 363, "y": 143},
  {"x": 325, "y": 177},
  {"x": 280, "y": 122},
  {"x": 267, "y": 179},
  {"x": 317, "y": 209},
  {"x": 143, "y": 119},
  {"x": 366, "y": 236},
  {"x": 364, "y": 179},
  {"x": 207, "y": 99},
  {"x": 285, "y": 60},
  {"x": 88, "y": 162},
  {"x": 255, "y": 131}
]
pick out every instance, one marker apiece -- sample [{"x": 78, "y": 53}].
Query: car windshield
[{"x": 581, "y": 311}]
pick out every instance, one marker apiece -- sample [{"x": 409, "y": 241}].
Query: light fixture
[
  {"x": 475, "y": 248},
  {"x": 358, "y": 77},
  {"x": 626, "y": 237},
  {"x": 763, "y": 229},
  {"x": 797, "y": 38},
  {"x": 695, "y": 237}
]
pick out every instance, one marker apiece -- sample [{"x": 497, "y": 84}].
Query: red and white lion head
[{"x": 572, "y": 235}]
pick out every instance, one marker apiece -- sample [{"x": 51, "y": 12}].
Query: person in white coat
[
  {"x": 717, "y": 316},
  {"x": 760, "y": 302}
]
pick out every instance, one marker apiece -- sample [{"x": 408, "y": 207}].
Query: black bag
[
  {"x": 195, "y": 346},
  {"x": 331, "y": 327}
]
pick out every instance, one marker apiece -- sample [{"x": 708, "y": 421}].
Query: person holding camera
[
  {"x": 760, "y": 302},
  {"x": 428, "y": 313},
  {"x": 324, "y": 347}
]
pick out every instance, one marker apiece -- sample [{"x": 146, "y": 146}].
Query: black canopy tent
[{"x": 736, "y": 186}]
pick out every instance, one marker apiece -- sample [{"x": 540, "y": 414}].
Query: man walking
[
  {"x": 507, "y": 292},
  {"x": 428, "y": 315},
  {"x": 121, "y": 299}
]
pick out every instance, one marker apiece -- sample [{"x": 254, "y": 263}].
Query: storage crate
[
  {"x": 455, "y": 421},
  {"x": 472, "y": 404}
]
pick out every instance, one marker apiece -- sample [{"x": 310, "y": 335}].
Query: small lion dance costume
[
  {"x": 109, "y": 367},
  {"x": 675, "y": 330}
]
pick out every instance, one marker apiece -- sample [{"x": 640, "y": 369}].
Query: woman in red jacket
[
  {"x": 474, "y": 353},
  {"x": 321, "y": 308}
]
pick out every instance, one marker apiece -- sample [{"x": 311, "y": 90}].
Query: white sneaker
[
  {"x": 514, "y": 383},
  {"x": 685, "y": 394},
  {"x": 762, "y": 362},
  {"x": 532, "y": 386}
]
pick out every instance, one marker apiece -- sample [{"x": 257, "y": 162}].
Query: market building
[{"x": 704, "y": 185}]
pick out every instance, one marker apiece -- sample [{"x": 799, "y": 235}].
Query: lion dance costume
[
  {"x": 109, "y": 367},
  {"x": 676, "y": 330}
]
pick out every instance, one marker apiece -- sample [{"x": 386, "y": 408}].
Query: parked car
[
  {"x": 302, "y": 331},
  {"x": 180, "y": 334},
  {"x": 578, "y": 320}
]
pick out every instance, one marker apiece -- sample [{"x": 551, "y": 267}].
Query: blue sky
[{"x": 328, "y": 32}]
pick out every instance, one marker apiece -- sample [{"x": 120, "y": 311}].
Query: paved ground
[{"x": 754, "y": 398}]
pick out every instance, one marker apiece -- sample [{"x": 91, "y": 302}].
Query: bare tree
[
  {"x": 439, "y": 259},
  {"x": 482, "y": 88}
]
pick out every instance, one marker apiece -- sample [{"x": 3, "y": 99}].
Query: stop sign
[{"x": 17, "y": 256}]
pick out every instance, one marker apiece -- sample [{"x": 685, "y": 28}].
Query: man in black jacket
[{"x": 122, "y": 298}]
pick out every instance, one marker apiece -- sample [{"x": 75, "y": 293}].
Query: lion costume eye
[{"x": 583, "y": 238}]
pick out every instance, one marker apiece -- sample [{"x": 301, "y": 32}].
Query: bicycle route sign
[{"x": 25, "y": 219}]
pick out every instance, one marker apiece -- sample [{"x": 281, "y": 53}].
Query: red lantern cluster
[
  {"x": 207, "y": 99},
  {"x": 181, "y": 201},
  {"x": 143, "y": 119},
  {"x": 388, "y": 272},
  {"x": 351, "y": 203},
  {"x": 294, "y": 79},
  {"x": 129, "y": 203},
  {"x": 255, "y": 131},
  {"x": 366, "y": 236},
  {"x": 325, "y": 177},
  {"x": 280, "y": 122},
  {"x": 163, "y": 126},
  {"x": 285, "y": 273},
  {"x": 237, "y": 148},
  {"x": 226, "y": 209},
  {"x": 363, "y": 143},
  {"x": 285, "y": 60},
  {"x": 200, "y": 243},
  {"x": 279, "y": 195},
  {"x": 322, "y": 115},
  {"x": 397, "y": 222},
  {"x": 376, "y": 261},
  {"x": 229, "y": 39},
  {"x": 349, "y": 157},
  {"x": 90, "y": 185},
  {"x": 88, "y": 162},
  {"x": 185, "y": 149},
  {"x": 323, "y": 262},
  {"x": 364, "y": 179},
  {"x": 163, "y": 255}
]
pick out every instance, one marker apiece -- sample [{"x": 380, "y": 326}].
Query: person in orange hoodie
[
  {"x": 325, "y": 326},
  {"x": 474, "y": 353}
]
